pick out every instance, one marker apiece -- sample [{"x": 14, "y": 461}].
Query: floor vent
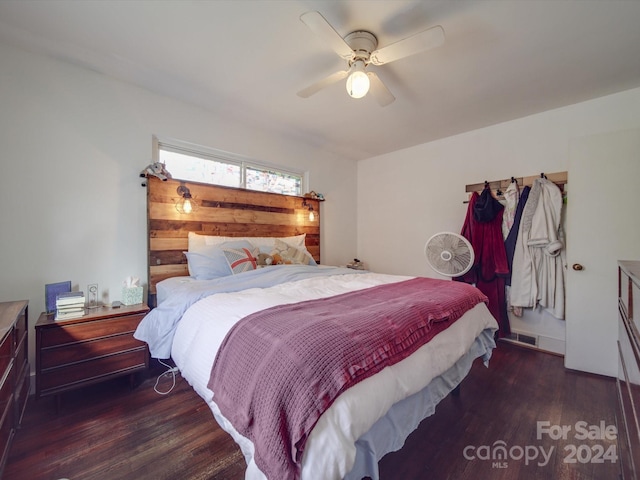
[
  {"x": 523, "y": 338},
  {"x": 539, "y": 342}
]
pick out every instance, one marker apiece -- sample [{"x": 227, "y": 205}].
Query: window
[
  {"x": 204, "y": 165},
  {"x": 269, "y": 180}
]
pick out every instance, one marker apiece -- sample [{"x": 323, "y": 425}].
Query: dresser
[
  {"x": 14, "y": 371},
  {"x": 628, "y": 381},
  {"x": 98, "y": 346}
]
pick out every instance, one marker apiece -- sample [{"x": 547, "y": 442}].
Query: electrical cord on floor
[{"x": 170, "y": 370}]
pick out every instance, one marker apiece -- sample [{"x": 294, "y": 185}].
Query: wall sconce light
[
  {"x": 186, "y": 203},
  {"x": 312, "y": 215}
]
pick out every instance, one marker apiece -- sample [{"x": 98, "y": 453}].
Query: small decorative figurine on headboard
[{"x": 156, "y": 169}]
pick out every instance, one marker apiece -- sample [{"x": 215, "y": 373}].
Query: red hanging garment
[{"x": 483, "y": 228}]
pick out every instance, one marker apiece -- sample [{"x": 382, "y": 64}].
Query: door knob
[{"x": 577, "y": 267}]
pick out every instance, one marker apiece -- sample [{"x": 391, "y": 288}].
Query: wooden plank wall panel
[
  {"x": 224, "y": 211},
  {"x": 559, "y": 178}
]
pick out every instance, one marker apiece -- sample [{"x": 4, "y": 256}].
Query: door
[{"x": 602, "y": 226}]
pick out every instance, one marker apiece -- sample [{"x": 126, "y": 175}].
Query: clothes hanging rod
[{"x": 559, "y": 178}]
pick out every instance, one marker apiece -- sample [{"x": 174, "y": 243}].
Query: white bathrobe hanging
[
  {"x": 511, "y": 198},
  {"x": 537, "y": 276}
]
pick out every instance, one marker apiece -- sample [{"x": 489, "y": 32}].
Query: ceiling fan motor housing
[{"x": 362, "y": 43}]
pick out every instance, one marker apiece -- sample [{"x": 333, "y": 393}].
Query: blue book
[{"x": 51, "y": 292}]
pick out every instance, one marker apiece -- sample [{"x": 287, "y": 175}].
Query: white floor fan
[{"x": 449, "y": 254}]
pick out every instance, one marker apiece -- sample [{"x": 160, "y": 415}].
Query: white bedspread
[{"x": 330, "y": 450}]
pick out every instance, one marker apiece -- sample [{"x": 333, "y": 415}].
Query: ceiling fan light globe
[{"x": 358, "y": 84}]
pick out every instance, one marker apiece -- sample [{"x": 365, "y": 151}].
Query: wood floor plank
[{"x": 109, "y": 431}]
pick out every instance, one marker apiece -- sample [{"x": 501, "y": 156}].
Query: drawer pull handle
[{"x": 577, "y": 267}]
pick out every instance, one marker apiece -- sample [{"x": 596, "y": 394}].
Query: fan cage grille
[{"x": 449, "y": 254}]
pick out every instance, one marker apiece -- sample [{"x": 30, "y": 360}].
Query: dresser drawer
[
  {"x": 21, "y": 355},
  {"x": 627, "y": 395},
  {"x": 91, "y": 371},
  {"x": 634, "y": 310},
  {"x": 6, "y": 429},
  {"x": 66, "y": 334},
  {"x": 630, "y": 297},
  {"x": 6, "y": 352},
  {"x": 79, "y": 352},
  {"x": 23, "y": 386},
  {"x": 6, "y": 389},
  {"x": 629, "y": 370},
  {"x": 21, "y": 327},
  {"x": 624, "y": 283},
  {"x": 22, "y": 383}
]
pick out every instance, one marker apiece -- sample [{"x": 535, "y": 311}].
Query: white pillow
[{"x": 265, "y": 244}]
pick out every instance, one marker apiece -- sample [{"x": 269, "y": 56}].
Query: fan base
[{"x": 362, "y": 43}]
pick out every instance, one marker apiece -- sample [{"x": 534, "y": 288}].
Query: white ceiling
[{"x": 501, "y": 59}]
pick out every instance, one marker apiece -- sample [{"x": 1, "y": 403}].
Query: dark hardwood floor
[{"x": 109, "y": 431}]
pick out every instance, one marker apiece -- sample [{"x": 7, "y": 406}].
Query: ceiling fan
[{"x": 359, "y": 49}]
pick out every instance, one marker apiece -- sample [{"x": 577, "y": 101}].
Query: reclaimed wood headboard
[{"x": 231, "y": 212}]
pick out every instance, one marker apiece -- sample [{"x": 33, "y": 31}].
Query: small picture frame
[
  {"x": 92, "y": 295},
  {"x": 51, "y": 291}
]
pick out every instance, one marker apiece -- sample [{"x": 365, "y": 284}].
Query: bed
[{"x": 364, "y": 414}]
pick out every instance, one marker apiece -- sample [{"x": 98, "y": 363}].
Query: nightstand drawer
[
  {"x": 79, "y": 352},
  {"x": 67, "y": 334},
  {"x": 91, "y": 371}
]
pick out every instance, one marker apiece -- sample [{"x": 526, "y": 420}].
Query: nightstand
[{"x": 98, "y": 346}]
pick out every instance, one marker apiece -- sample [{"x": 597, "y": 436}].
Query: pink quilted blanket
[{"x": 278, "y": 370}]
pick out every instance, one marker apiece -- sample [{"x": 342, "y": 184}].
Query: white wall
[
  {"x": 406, "y": 196},
  {"x": 72, "y": 143}
]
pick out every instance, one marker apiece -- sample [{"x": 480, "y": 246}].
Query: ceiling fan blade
[
  {"x": 420, "y": 42},
  {"x": 379, "y": 90},
  {"x": 325, "y": 82},
  {"x": 319, "y": 25}
]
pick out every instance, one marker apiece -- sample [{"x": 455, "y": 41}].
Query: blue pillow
[{"x": 207, "y": 267}]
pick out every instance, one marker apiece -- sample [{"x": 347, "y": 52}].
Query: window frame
[{"x": 208, "y": 153}]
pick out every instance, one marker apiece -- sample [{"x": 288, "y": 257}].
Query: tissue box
[{"x": 131, "y": 295}]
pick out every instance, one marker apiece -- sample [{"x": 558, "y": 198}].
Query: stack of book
[{"x": 69, "y": 305}]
